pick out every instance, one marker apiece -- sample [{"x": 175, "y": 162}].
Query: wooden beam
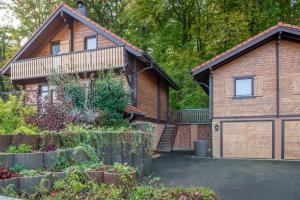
[
  {"x": 158, "y": 98},
  {"x": 71, "y": 35}
]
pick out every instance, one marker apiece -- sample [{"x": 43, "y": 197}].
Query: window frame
[
  {"x": 235, "y": 79},
  {"x": 86, "y": 39},
  {"x": 53, "y": 43}
]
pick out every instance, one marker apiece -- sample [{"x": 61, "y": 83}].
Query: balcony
[{"x": 75, "y": 62}]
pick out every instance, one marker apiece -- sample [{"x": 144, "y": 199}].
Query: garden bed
[
  {"x": 78, "y": 186},
  {"x": 35, "y": 141},
  {"x": 37, "y": 160}
]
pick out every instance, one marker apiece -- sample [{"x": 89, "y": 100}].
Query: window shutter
[
  {"x": 229, "y": 90},
  {"x": 296, "y": 84},
  {"x": 258, "y": 86}
]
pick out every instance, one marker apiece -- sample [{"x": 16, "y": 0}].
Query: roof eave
[
  {"x": 99, "y": 30},
  {"x": 5, "y": 68},
  {"x": 241, "y": 50},
  {"x": 162, "y": 72}
]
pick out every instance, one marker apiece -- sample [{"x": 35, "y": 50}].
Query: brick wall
[
  {"x": 185, "y": 135},
  {"x": 183, "y": 139},
  {"x": 260, "y": 63},
  {"x": 204, "y": 133}
]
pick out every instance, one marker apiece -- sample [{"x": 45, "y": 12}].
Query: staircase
[{"x": 165, "y": 142}]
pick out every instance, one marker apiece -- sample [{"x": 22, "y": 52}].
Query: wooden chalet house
[
  {"x": 254, "y": 91},
  {"x": 70, "y": 42}
]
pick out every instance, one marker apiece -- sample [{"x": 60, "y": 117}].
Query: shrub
[
  {"x": 104, "y": 103},
  {"x": 75, "y": 93},
  {"x": 23, "y": 148},
  {"x": 13, "y": 114},
  {"x": 59, "y": 162},
  {"x": 5, "y": 173},
  {"x": 108, "y": 95},
  {"x": 53, "y": 117},
  {"x": 17, "y": 168}
]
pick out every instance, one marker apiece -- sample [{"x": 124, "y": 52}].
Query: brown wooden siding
[
  {"x": 261, "y": 63},
  {"x": 146, "y": 92},
  {"x": 62, "y": 37},
  {"x": 163, "y": 101},
  {"x": 80, "y": 32}
]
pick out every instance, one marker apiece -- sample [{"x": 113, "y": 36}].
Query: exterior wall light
[{"x": 216, "y": 127}]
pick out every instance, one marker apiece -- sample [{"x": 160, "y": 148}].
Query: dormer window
[
  {"x": 55, "y": 48},
  {"x": 90, "y": 43}
]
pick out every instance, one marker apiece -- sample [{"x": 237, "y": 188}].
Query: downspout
[{"x": 131, "y": 117}]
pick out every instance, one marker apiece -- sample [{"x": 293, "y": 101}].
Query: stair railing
[{"x": 175, "y": 129}]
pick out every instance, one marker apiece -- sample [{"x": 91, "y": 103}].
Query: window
[
  {"x": 55, "y": 48},
  {"x": 90, "y": 43},
  {"x": 44, "y": 93},
  {"x": 243, "y": 87}
]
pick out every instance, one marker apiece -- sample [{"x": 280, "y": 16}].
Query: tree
[{"x": 178, "y": 34}]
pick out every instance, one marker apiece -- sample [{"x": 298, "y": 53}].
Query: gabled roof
[
  {"x": 285, "y": 30},
  {"x": 63, "y": 8}
]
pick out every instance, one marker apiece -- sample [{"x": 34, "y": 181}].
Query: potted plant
[
  {"x": 8, "y": 177},
  {"x": 119, "y": 174},
  {"x": 96, "y": 173},
  {"x": 29, "y": 180},
  {"x": 24, "y": 155}
]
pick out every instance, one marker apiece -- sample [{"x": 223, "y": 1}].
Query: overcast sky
[{"x": 8, "y": 17}]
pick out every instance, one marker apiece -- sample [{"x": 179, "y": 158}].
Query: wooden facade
[
  {"x": 69, "y": 29},
  {"x": 265, "y": 123}
]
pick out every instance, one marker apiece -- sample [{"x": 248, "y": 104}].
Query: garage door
[
  {"x": 292, "y": 139},
  {"x": 251, "y": 139}
]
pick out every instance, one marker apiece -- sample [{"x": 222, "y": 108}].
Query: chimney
[{"x": 81, "y": 8}]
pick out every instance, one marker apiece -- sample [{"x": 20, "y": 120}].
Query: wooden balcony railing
[
  {"x": 75, "y": 62},
  {"x": 190, "y": 116}
]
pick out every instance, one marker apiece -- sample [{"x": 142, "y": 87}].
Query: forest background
[{"x": 178, "y": 34}]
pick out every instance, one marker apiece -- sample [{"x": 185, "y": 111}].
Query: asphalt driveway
[{"x": 232, "y": 179}]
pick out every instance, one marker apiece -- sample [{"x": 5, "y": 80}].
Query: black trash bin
[{"x": 201, "y": 147}]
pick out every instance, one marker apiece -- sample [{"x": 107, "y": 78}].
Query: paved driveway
[{"x": 232, "y": 179}]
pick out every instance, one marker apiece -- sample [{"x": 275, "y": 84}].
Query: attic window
[
  {"x": 55, "y": 48},
  {"x": 90, "y": 43},
  {"x": 243, "y": 87}
]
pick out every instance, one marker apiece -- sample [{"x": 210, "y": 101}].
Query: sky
[{"x": 7, "y": 17}]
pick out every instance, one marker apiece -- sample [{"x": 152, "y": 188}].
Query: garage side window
[{"x": 243, "y": 87}]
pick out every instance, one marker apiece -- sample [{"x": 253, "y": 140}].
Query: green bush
[
  {"x": 23, "y": 148},
  {"x": 75, "y": 93},
  {"x": 17, "y": 168},
  {"x": 13, "y": 114},
  {"x": 109, "y": 96},
  {"x": 76, "y": 185}
]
